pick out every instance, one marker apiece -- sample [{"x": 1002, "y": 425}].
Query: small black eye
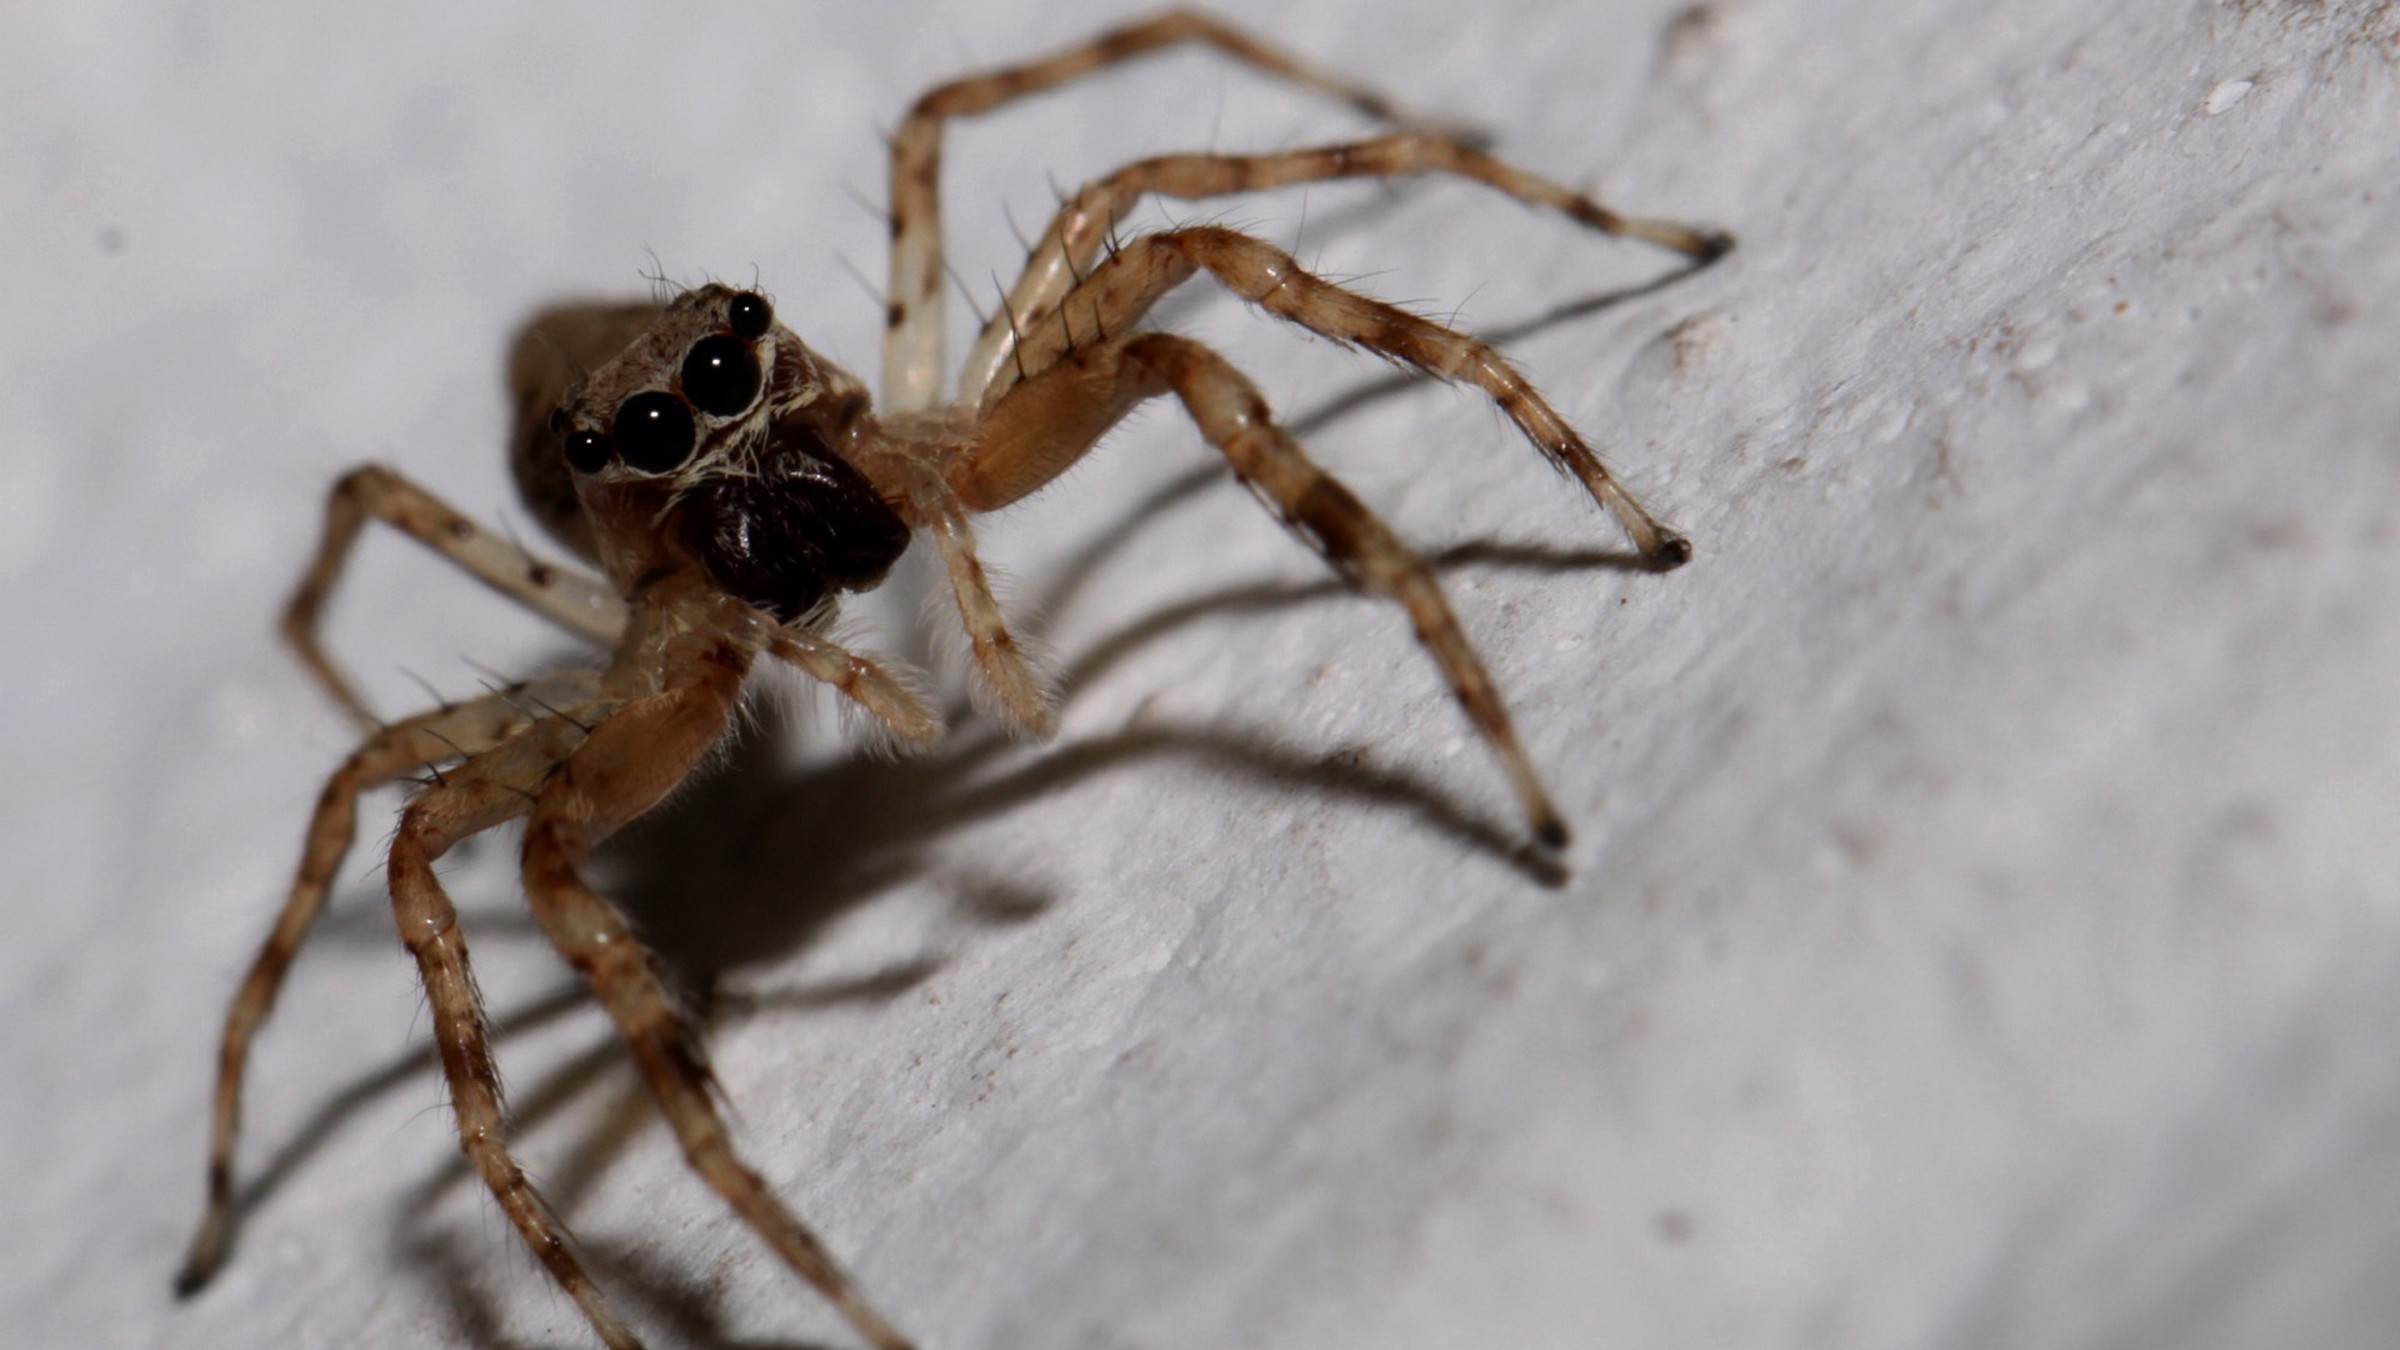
[
  {"x": 749, "y": 315},
  {"x": 654, "y": 432},
  {"x": 720, "y": 376},
  {"x": 587, "y": 451}
]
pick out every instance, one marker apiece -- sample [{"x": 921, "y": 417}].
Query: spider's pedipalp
[{"x": 889, "y": 696}]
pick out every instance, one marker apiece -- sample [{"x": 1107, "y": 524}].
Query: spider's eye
[
  {"x": 749, "y": 314},
  {"x": 587, "y": 451},
  {"x": 654, "y": 432},
  {"x": 720, "y": 376}
]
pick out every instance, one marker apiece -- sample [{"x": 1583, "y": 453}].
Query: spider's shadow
[{"x": 753, "y": 862}]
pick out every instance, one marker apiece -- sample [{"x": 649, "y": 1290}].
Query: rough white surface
[{"x": 1985, "y": 919}]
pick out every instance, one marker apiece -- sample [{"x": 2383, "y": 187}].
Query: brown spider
[{"x": 730, "y": 484}]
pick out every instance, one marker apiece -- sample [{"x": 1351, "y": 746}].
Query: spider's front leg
[
  {"x": 1049, "y": 421},
  {"x": 626, "y": 765},
  {"x": 489, "y": 790},
  {"x": 430, "y": 738}
]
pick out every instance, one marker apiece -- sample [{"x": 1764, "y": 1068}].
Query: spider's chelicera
[{"x": 729, "y": 485}]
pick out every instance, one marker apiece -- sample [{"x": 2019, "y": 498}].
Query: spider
[{"x": 730, "y": 484}]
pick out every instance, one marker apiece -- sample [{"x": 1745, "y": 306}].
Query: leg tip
[
  {"x": 1671, "y": 551},
  {"x": 1551, "y": 833},
  {"x": 1711, "y": 245}
]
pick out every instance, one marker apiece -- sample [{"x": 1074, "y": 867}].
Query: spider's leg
[
  {"x": 1072, "y": 244},
  {"x": 1125, "y": 286},
  {"x": 1078, "y": 398},
  {"x": 443, "y": 734},
  {"x": 486, "y": 791},
  {"x": 576, "y": 602},
  {"x": 630, "y": 761},
  {"x": 912, "y": 343},
  {"x": 882, "y": 692}
]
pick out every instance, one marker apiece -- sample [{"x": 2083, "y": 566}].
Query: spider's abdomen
[{"x": 804, "y": 525}]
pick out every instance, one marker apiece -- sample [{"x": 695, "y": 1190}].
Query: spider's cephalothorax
[
  {"x": 717, "y": 438},
  {"x": 729, "y": 485}
]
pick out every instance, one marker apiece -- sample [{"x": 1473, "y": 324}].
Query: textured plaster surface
[{"x": 1984, "y": 920}]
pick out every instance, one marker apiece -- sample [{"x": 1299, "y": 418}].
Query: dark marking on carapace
[{"x": 804, "y": 525}]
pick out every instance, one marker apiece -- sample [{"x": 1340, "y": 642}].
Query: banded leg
[
  {"x": 913, "y": 333},
  {"x": 488, "y": 790},
  {"x": 1124, "y": 287},
  {"x": 1059, "y": 414},
  {"x": 573, "y": 601},
  {"x": 631, "y": 760},
  {"x": 1072, "y": 243},
  {"x": 430, "y": 738}
]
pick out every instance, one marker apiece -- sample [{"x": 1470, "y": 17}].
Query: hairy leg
[
  {"x": 578, "y": 603},
  {"x": 1125, "y": 287},
  {"x": 454, "y": 732},
  {"x": 486, "y": 791},
  {"x": 629, "y": 762},
  {"x": 1065, "y": 409},
  {"x": 912, "y": 344},
  {"x": 1073, "y": 242}
]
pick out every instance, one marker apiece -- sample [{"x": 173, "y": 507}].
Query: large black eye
[
  {"x": 720, "y": 376},
  {"x": 654, "y": 432},
  {"x": 749, "y": 314},
  {"x": 587, "y": 451}
]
